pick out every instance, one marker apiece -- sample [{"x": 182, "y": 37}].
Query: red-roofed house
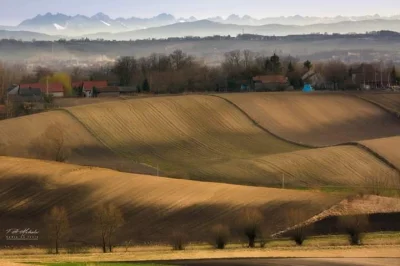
[
  {"x": 89, "y": 86},
  {"x": 55, "y": 89}
]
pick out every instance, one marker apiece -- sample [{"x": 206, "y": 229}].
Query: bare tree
[
  {"x": 354, "y": 226},
  {"x": 76, "y": 74},
  {"x": 220, "y": 234},
  {"x": 335, "y": 72},
  {"x": 178, "y": 240},
  {"x": 250, "y": 221},
  {"x": 179, "y": 59},
  {"x": 58, "y": 226},
  {"x": 232, "y": 59},
  {"x": 296, "y": 218},
  {"x": 108, "y": 220},
  {"x": 248, "y": 58},
  {"x": 124, "y": 69},
  {"x": 51, "y": 145}
]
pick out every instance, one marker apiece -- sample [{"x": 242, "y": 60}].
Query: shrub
[
  {"x": 178, "y": 241},
  {"x": 77, "y": 248},
  {"x": 298, "y": 232},
  {"x": 220, "y": 234},
  {"x": 250, "y": 222},
  {"x": 354, "y": 227}
]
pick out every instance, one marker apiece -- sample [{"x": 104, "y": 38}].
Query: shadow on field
[{"x": 24, "y": 200}]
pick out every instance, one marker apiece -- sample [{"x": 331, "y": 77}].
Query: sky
[{"x": 12, "y": 12}]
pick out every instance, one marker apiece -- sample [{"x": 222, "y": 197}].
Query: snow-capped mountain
[
  {"x": 100, "y": 22},
  {"x": 78, "y": 25}
]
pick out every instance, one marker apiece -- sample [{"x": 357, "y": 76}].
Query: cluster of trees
[
  {"x": 108, "y": 219},
  {"x": 179, "y": 72}
]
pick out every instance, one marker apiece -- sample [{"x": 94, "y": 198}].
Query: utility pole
[
  {"x": 47, "y": 85},
  {"x": 283, "y": 181},
  {"x": 158, "y": 171},
  {"x": 381, "y": 75}
]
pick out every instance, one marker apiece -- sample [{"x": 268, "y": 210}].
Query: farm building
[
  {"x": 109, "y": 91},
  {"x": 127, "y": 90},
  {"x": 54, "y": 89},
  {"x": 270, "y": 82},
  {"x": 88, "y": 87}
]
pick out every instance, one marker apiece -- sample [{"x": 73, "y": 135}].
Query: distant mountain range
[
  {"x": 100, "y": 26},
  {"x": 78, "y": 25},
  {"x": 204, "y": 28}
]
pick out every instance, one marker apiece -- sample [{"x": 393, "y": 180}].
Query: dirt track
[{"x": 291, "y": 262}]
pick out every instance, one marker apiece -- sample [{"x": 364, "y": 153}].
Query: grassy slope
[
  {"x": 317, "y": 119},
  {"x": 153, "y": 206},
  {"x": 18, "y": 135}
]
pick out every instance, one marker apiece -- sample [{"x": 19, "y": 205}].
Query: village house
[
  {"x": 109, "y": 91},
  {"x": 89, "y": 88},
  {"x": 270, "y": 82},
  {"x": 36, "y": 89}
]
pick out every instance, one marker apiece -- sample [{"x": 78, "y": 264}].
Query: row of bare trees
[{"x": 107, "y": 220}]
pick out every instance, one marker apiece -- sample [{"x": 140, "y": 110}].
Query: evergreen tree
[
  {"x": 290, "y": 68},
  {"x": 308, "y": 65},
  {"x": 393, "y": 75},
  {"x": 146, "y": 85},
  {"x": 276, "y": 64}
]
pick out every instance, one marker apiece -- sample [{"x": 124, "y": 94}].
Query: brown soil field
[
  {"x": 206, "y": 138},
  {"x": 389, "y": 101},
  {"x": 195, "y": 137},
  {"x": 18, "y": 136},
  {"x": 181, "y": 134},
  {"x": 320, "y": 119},
  {"x": 153, "y": 207},
  {"x": 388, "y": 148},
  {"x": 339, "y": 166}
]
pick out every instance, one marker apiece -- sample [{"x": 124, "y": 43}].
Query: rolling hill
[
  {"x": 181, "y": 134},
  {"x": 153, "y": 207},
  {"x": 388, "y": 148},
  {"x": 389, "y": 101},
  {"x": 202, "y": 138},
  {"x": 317, "y": 119},
  {"x": 20, "y": 135}
]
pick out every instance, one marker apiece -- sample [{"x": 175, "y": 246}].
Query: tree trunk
[
  {"x": 252, "y": 240},
  {"x": 104, "y": 245},
  {"x": 109, "y": 244},
  {"x": 56, "y": 246}
]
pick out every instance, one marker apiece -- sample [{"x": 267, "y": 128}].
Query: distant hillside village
[{"x": 178, "y": 72}]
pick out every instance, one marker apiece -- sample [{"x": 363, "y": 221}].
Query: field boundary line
[
  {"x": 380, "y": 106},
  {"x": 96, "y": 137},
  {"x": 374, "y": 153},
  {"x": 356, "y": 144},
  {"x": 263, "y": 128}
]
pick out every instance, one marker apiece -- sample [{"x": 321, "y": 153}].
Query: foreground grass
[
  {"x": 98, "y": 264},
  {"x": 385, "y": 244}
]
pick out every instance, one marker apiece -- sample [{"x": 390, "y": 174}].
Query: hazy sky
[{"x": 14, "y": 11}]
